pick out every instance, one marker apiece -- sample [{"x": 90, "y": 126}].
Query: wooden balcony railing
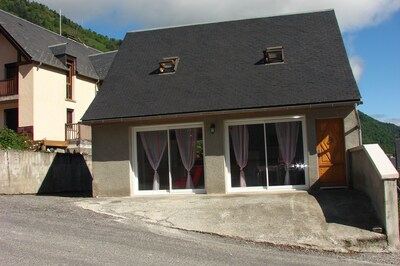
[
  {"x": 77, "y": 132},
  {"x": 8, "y": 87},
  {"x": 71, "y": 131}
]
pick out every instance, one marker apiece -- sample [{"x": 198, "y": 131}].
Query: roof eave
[{"x": 222, "y": 112}]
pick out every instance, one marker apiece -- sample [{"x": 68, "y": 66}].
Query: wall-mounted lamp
[{"x": 212, "y": 129}]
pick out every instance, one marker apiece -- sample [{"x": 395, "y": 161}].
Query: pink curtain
[
  {"x": 287, "y": 134},
  {"x": 154, "y": 143},
  {"x": 240, "y": 143},
  {"x": 187, "y": 140}
]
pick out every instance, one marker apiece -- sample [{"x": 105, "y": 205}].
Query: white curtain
[
  {"x": 287, "y": 134},
  {"x": 240, "y": 143},
  {"x": 154, "y": 143},
  {"x": 187, "y": 140}
]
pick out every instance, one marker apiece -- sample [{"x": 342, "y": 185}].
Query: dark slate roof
[
  {"x": 43, "y": 45},
  {"x": 220, "y": 68},
  {"x": 102, "y": 62}
]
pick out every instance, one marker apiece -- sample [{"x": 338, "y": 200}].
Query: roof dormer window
[
  {"x": 168, "y": 65},
  {"x": 273, "y": 55}
]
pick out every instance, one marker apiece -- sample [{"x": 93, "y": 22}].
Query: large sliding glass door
[
  {"x": 169, "y": 159},
  {"x": 265, "y": 154}
]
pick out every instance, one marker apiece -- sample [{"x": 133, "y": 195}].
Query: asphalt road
[{"x": 46, "y": 230}]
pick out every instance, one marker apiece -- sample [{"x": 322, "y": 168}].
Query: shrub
[{"x": 9, "y": 139}]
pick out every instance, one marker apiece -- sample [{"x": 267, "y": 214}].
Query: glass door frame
[
  {"x": 134, "y": 159},
  {"x": 264, "y": 121}
]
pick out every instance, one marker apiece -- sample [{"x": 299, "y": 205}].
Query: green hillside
[
  {"x": 374, "y": 131},
  {"x": 43, "y": 16}
]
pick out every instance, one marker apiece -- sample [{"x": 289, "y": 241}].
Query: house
[
  {"x": 47, "y": 81},
  {"x": 260, "y": 104}
]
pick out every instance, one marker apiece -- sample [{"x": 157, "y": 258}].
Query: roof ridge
[
  {"x": 232, "y": 20},
  {"x": 52, "y": 32},
  {"x": 58, "y": 44},
  {"x": 103, "y": 53}
]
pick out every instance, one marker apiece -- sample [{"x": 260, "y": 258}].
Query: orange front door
[{"x": 331, "y": 152}]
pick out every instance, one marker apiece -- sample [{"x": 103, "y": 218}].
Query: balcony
[
  {"x": 8, "y": 87},
  {"x": 79, "y": 138},
  {"x": 76, "y": 132}
]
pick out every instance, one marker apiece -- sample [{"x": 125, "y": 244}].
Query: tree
[{"x": 43, "y": 16}]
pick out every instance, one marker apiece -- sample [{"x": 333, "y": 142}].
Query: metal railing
[
  {"x": 72, "y": 131},
  {"x": 8, "y": 87},
  {"x": 77, "y": 132}
]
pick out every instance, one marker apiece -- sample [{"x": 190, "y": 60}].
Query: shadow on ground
[{"x": 347, "y": 207}]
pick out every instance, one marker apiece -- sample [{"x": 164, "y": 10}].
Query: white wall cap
[{"x": 381, "y": 162}]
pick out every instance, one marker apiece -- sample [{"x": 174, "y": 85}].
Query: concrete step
[{"x": 374, "y": 244}]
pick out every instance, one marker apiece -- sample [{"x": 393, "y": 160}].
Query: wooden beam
[{"x": 56, "y": 143}]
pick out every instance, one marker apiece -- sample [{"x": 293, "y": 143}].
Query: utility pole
[{"x": 60, "y": 21}]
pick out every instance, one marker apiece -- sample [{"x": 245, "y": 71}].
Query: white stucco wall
[
  {"x": 84, "y": 91},
  {"x": 25, "y": 95},
  {"x": 50, "y": 103},
  {"x": 8, "y": 54},
  {"x": 49, "y": 114},
  {"x": 42, "y": 96}
]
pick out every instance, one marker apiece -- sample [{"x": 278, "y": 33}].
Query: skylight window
[
  {"x": 168, "y": 65},
  {"x": 273, "y": 55}
]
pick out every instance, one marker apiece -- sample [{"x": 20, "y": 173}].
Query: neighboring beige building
[{"x": 47, "y": 81}]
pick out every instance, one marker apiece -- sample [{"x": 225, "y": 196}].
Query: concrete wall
[
  {"x": 35, "y": 172},
  {"x": 373, "y": 173},
  {"x": 214, "y": 156},
  {"x": 112, "y": 147},
  {"x": 351, "y": 134},
  {"x": 111, "y": 160}
]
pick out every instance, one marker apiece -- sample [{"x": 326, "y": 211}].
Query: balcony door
[
  {"x": 11, "y": 118},
  {"x": 70, "y": 116},
  {"x": 169, "y": 159},
  {"x": 266, "y": 154},
  {"x": 11, "y": 71}
]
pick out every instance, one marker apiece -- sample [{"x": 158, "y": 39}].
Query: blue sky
[
  {"x": 379, "y": 83},
  {"x": 371, "y": 32}
]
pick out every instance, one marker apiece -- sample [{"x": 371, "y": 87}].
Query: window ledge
[
  {"x": 166, "y": 73},
  {"x": 70, "y": 100},
  {"x": 275, "y": 63}
]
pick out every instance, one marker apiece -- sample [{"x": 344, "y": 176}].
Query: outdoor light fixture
[
  {"x": 212, "y": 129},
  {"x": 300, "y": 165}
]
